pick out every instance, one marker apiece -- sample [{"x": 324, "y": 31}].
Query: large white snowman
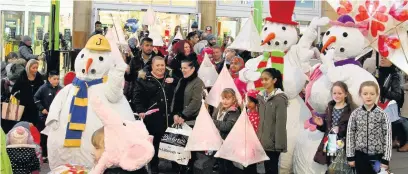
[
  {"x": 99, "y": 73},
  {"x": 285, "y": 53},
  {"x": 342, "y": 43}
]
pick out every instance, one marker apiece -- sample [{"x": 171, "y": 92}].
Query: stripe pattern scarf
[
  {"x": 277, "y": 59},
  {"x": 78, "y": 111}
]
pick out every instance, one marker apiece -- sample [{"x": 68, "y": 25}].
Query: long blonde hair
[
  {"x": 227, "y": 93},
  {"x": 29, "y": 64}
]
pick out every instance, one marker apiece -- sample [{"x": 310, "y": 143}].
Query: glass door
[
  {"x": 12, "y": 29},
  {"x": 37, "y": 28}
]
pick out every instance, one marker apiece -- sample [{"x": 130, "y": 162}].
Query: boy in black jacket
[{"x": 43, "y": 99}]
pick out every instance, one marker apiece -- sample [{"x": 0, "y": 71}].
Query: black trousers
[
  {"x": 400, "y": 130},
  {"x": 44, "y": 138},
  {"x": 271, "y": 166},
  {"x": 364, "y": 164}
]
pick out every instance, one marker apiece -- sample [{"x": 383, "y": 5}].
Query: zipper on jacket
[
  {"x": 165, "y": 100},
  {"x": 368, "y": 114}
]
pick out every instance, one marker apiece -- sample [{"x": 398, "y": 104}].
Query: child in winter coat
[
  {"x": 252, "y": 108},
  {"x": 225, "y": 116},
  {"x": 273, "y": 104},
  {"x": 98, "y": 141},
  {"x": 369, "y": 134},
  {"x": 21, "y": 150},
  {"x": 338, "y": 113},
  {"x": 33, "y": 131},
  {"x": 43, "y": 99}
]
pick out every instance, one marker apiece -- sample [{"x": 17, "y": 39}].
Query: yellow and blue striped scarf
[{"x": 78, "y": 112}]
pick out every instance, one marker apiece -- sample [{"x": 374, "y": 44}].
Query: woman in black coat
[
  {"x": 25, "y": 87},
  {"x": 154, "y": 90}
]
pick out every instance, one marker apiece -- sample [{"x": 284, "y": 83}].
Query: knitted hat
[
  {"x": 19, "y": 135},
  {"x": 252, "y": 94},
  {"x": 210, "y": 37},
  {"x": 26, "y": 38},
  {"x": 194, "y": 25}
]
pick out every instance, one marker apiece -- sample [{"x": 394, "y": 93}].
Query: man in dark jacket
[
  {"x": 43, "y": 99},
  {"x": 141, "y": 60},
  {"x": 154, "y": 90},
  {"x": 25, "y": 51}
]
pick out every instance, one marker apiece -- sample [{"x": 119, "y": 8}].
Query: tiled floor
[{"x": 399, "y": 164}]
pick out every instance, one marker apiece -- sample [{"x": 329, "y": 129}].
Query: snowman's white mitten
[
  {"x": 247, "y": 75},
  {"x": 328, "y": 68},
  {"x": 328, "y": 58},
  {"x": 318, "y": 22},
  {"x": 114, "y": 85}
]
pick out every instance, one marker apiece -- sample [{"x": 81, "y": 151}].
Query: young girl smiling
[
  {"x": 338, "y": 114},
  {"x": 273, "y": 104},
  {"x": 369, "y": 134},
  {"x": 224, "y": 118}
]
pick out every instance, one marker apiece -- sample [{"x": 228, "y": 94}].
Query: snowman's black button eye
[
  {"x": 265, "y": 28},
  {"x": 345, "y": 34},
  {"x": 283, "y": 28},
  {"x": 82, "y": 56},
  {"x": 124, "y": 124},
  {"x": 100, "y": 58},
  {"x": 327, "y": 33}
]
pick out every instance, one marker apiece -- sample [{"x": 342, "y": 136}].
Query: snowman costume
[
  {"x": 342, "y": 43},
  {"x": 291, "y": 57},
  {"x": 71, "y": 120}
]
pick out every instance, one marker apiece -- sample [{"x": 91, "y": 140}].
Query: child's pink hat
[
  {"x": 252, "y": 93},
  {"x": 18, "y": 135}
]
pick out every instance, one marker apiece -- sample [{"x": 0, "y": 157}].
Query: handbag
[
  {"x": 339, "y": 165},
  {"x": 12, "y": 110}
]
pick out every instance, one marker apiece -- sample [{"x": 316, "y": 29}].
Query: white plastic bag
[
  {"x": 205, "y": 136},
  {"x": 173, "y": 143},
  {"x": 392, "y": 111},
  {"x": 242, "y": 145}
]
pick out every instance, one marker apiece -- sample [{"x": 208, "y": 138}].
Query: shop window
[
  {"x": 37, "y": 27},
  {"x": 12, "y": 29},
  {"x": 188, "y": 3}
]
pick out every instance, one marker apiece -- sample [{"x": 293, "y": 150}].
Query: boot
[{"x": 403, "y": 148}]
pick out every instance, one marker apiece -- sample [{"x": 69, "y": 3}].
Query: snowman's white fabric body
[
  {"x": 343, "y": 43},
  {"x": 111, "y": 91},
  {"x": 294, "y": 78}
]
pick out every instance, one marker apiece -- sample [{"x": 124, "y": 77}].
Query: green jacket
[
  {"x": 5, "y": 165},
  {"x": 272, "y": 125}
]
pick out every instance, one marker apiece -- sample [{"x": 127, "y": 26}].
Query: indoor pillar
[
  {"x": 81, "y": 23},
  {"x": 208, "y": 14}
]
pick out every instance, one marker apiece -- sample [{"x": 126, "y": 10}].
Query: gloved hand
[
  {"x": 319, "y": 22},
  {"x": 40, "y": 57}
]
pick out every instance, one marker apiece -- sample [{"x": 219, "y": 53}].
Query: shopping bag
[
  {"x": 173, "y": 143},
  {"x": 12, "y": 110},
  {"x": 340, "y": 165},
  {"x": 242, "y": 145},
  {"x": 205, "y": 136}
]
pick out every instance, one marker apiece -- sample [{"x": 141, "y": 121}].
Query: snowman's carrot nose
[
  {"x": 88, "y": 64},
  {"x": 331, "y": 40},
  {"x": 268, "y": 38}
]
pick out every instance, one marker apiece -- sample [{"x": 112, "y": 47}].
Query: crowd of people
[{"x": 169, "y": 82}]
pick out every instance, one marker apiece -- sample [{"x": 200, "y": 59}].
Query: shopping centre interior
[{"x": 33, "y": 18}]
